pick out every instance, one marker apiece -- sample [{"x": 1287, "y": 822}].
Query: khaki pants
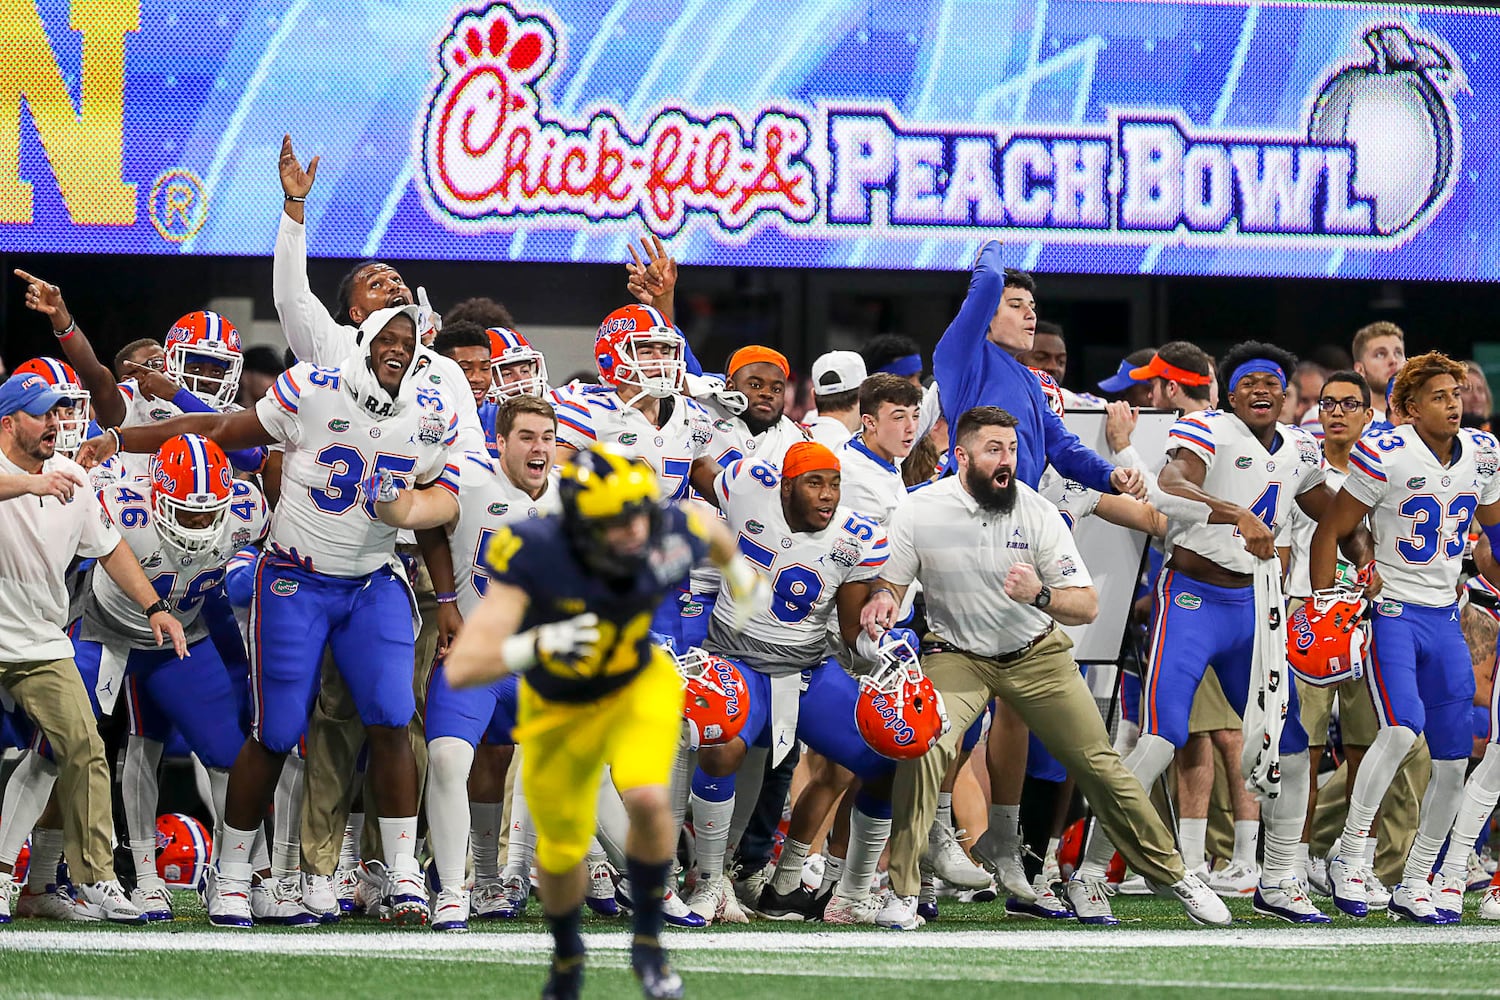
[
  {"x": 1357, "y": 720},
  {"x": 335, "y": 737},
  {"x": 1047, "y": 691},
  {"x": 51, "y": 693}
]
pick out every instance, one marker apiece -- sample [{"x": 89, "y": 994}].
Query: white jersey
[
  {"x": 1421, "y": 509},
  {"x": 1298, "y": 577},
  {"x": 830, "y": 432},
  {"x": 1073, "y": 500},
  {"x": 1241, "y": 471},
  {"x": 139, "y": 411},
  {"x": 870, "y": 484},
  {"x": 487, "y": 500},
  {"x": 587, "y": 414},
  {"x": 806, "y": 569},
  {"x": 324, "y": 520},
  {"x": 184, "y": 580}
]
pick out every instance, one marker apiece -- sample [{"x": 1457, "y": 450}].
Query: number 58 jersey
[
  {"x": 324, "y": 521},
  {"x": 1421, "y": 509}
]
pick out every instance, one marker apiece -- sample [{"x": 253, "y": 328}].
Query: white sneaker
[
  {"x": 749, "y": 887},
  {"x": 1089, "y": 899},
  {"x": 1489, "y": 906},
  {"x": 1202, "y": 904},
  {"x": 369, "y": 889},
  {"x": 278, "y": 901},
  {"x": 713, "y": 899},
  {"x": 988, "y": 894},
  {"x": 107, "y": 901},
  {"x": 996, "y": 858},
  {"x": 1414, "y": 903},
  {"x": 320, "y": 896},
  {"x": 8, "y": 893},
  {"x": 601, "y": 892},
  {"x": 1476, "y": 877},
  {"x": 345, "y": 885},
  {"x": 675, "y": 910},
  {"x": 947, "y": 860},
  {"x": 1317, "y": 876},
  {"x": 1134, "y": 885},
  {"x": 1236, "y": 879},
  {"x": 812, "y": 871},
  {"x": 1375, "y": 890},
  {"x": 1448, "y": 896},
  {"x": 452, "y": 910},
  {"x": 898, "y": 914},
  {"x": 843, "y": 910},
  {"x": 406, "y": 894},
  {"x": 155, "y": 903},
  {"x": 1046, "y": 906},
  {"x": 56, "y": 903},
  {"x": 1287, "y": 901},
  {"x": 1350, "y": 892}
]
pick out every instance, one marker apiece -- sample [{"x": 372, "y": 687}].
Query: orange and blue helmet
[
  {"x": 201, "y": 337},
  {"x": 73, "y": 421},
  {"x": 183, "y": 849},
  {"x": 617, "y": 351},
  {"x": 191, "y": 486},
  {"x": 509, "y": 351}
]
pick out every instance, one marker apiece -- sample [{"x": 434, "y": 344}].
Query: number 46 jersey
[
  {"x": 323, "y": 520},
  {"x": 182, "y": 579},
  {"x": 806, "y": 569},
  {"x": 1420, "y": 508}
]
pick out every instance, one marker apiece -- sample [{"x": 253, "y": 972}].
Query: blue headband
[
  {"x": 1257, "y": 365},
  {"x": 907, "y": 364}
]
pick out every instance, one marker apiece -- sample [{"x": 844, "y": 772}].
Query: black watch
[
  {"x": 158, "y": 608},
  {"x": 1043, "y": 597}
]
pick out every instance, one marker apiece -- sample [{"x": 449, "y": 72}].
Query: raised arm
[
  {"x": 230, "y": 431},
  {"x": 313, "y": 334},
  {"x": 954, "y": 358},
  {"x": 46, "y": 298}
]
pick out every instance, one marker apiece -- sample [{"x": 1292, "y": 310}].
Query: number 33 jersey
[
  {"x": 182, "y": 579},
  {"x": 1420, "y": 509},
  {"x": 324, "y": 521},
  {"x": 1241, "y": 471}
]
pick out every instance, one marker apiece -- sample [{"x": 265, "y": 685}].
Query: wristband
[
  {"x": 66, "y": 331},
  {"x": 296, "y": 199},
  {"x": 884, "y": 590},
  {"x": 160, "y": 607},
  {"x": 446, "y": 598},
  {"x": 119, "y": 441},
  {"x": 1492, "y": 532}
]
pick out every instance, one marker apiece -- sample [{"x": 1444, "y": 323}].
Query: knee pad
[
  {"x": 449, "y": 756},
  {"x": 1150, "y": 758}
]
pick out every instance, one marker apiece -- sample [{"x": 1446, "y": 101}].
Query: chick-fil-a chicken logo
[{"x": 491, "y": 154}]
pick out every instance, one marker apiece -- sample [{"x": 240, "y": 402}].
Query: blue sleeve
[
  {"x": 246, "y": 459},
  {"x": 688, "y": 357},
  {"x": 1072, "y": 457},
  {"x": 955, "y": 359}
]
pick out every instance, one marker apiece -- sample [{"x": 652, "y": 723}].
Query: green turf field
[{"x": 973, "y": 951}]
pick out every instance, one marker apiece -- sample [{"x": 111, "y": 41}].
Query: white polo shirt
[
  {"x": 961, "y": 554},
  {"x": 39, "y": 537}
]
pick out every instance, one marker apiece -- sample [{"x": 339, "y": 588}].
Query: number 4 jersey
[
  {"x": 182, "y": 579},
  {"x": 1420, "y": 509},
  {"x": 324, "y": 521}
]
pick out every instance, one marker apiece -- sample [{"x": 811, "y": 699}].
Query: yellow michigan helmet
[{"x": 601, "y": 486}]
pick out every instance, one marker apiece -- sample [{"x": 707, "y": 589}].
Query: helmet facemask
[
  {"x": 72, "y": 420},
  {"x": 668, "y": 373},
  {"x": 534, "y": 384},
  {"x": 218, "y": 390}
]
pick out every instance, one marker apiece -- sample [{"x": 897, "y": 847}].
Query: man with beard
[{"x": 999, "y": 571}]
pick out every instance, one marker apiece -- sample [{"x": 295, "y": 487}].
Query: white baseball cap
[{"x": 837, "y": 371}]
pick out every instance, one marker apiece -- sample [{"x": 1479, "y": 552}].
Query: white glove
[
  {"x": 750, "y": 592},
  {"x": 704, "y": 387},
  {"x": 942, "y": 711},
  {"x": 380, "y": 486},
  {"x": 563, "y": 640},
  {"x": 428, "y": 321}
]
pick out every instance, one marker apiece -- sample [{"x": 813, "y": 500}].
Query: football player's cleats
[
  {"x": 183, "y": 848},
  {"x": 1051, "y": 390},
  {"x": 191, "y": 485},
  {"x": 1324, "y": 642},
  {"x": 718, "y": 702},
  {"x": 200, "y": 337},
  {"x": 73, "y": 421},
  {"x": 898, "y": 712},
  {"x": 617, "y": 345},
  {"x": 508, "y": 350}
]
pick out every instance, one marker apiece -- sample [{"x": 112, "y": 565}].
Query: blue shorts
[
  {"x": 1197, "y": 624},
  {"x": 695, "y": 611},
  {"x": 1420, "y": 675},
  {"x": 1130, "y": 698},
  {"x": 196, "y": 697},
  {"x": 365, "y": 621},
  {"x": 825, "y": 718},
  {"x": 475, "y": 715}
]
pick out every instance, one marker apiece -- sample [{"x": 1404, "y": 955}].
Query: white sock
[
  {"x": 789, "y": 866},
  {"x": 1246, "y": 838},
  {"x": 260, "y": 856},
  {"x": 1304, "y": 859},
  {"x": 680, "y": 789},
  {"x": 1284, "y": 818},
  {"x": 945, "y": 809},
  {"x": 1440, "y": 806},
  {"x": 520, "y": 847},
  {"x": 286, "y": 818},
  {"x": 234, "y": 856},
  {"x": 354, "y": 829},
  {"x": 25, "y": 799},
  {"x": 143, "y": 857},
  {"x": 449, "y": 813},
  {"x": 611, "y": 822},
  {"x": 1376, "y": 772},
  {"x": 138, "y": 792},
  {"x": 833, "y": 871},
  {"x": 1193, "y": 832},
  {"x": 1053, "y": 844},
  {"x": 398, "y": 839},
  {"x": 1005, "y": 821},
  {"x": 203, "y": 782},
  {"x": 867, "y": 837},
  {"x": 1371, "y": 844},
  {"x": 46, "y": 855},
  {"x": 484, "y": 834},
  {"x": 1480, "y": 795},
  {"x": 218, "y": 790},
  {"x": 711, "y": 831}
]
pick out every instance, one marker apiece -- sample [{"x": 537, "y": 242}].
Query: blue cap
[
  {"x": 29, "y": 392},
  {"x": 1121, "y": 379}
]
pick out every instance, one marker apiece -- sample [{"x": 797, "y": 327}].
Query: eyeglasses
[{"x": 1328, "y": 404}]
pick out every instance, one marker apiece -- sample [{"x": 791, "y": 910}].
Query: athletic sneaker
[
  {"x": 1489, "y": 906},
  {"x": 156, "y": 904},
  {"x": 1349, "y": 892},
  {"x": 1134, "y": 884},
  {"x": 927, "y": 898},
  {"x": 947, "y": 860},
  {"x": 345, "y": 884},
  {"x": 1414, "y": 903},
  {"x": 1235, "y": 880},
  {"x": 227, "y": 900},
  {"x": 1202, "y": 904},
  {"x": 791, "y": 907},
  {"x": 714, "y": 899},
  {"x": 1089, "y": 899},
  {"x": 107, "y": 901},
  {"x": 673, "y": 910},
  {"x": 278, "y": 901},
  {"x": 452, "y": 911},
  {"x": 1317, "y": 876},
  {"x": 1377, "y": 895},
  {"x": 1046, "y": 906},
  {"x": 601, "y": 893},
  {"x": 1005, "y": 864},
  {"x": 843, "y": 910},
  {"x": 320, "y": 896},
  {"x": 8, "y": 893},
  {"x": 406, "y": 894},
  {"x": 1448, "y": 897},
  {"x": 1287, "y": 901},
  {"x": 899, "y": 913},
  {"x": 369, "y": 889},
  {"x": 55, "y": 903},
  {"x": 988, "y": 894},
  {"x": 1476, "y": 876},
  {"x": 748, "y": 887}
]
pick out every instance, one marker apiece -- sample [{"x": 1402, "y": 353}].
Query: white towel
[{"x": 1266, "y": 704}]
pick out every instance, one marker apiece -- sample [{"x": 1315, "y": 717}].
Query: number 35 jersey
[
  {"x": 806, "y": 569},
  {"x": 183, "y": 580},
  {"x": 1241, "y": 471},
  {"x": 324, "y": 521},
  {"x": 487, "y": 501},
  {"x": 1420, "y": 509}
]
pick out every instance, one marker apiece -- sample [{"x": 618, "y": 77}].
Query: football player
[
  {"x": 357, "y": 439},
  {"x": 1417, "y": 486},
  {"x": 516, "y": 368},
  {"x": 569, "y": 607},
  {"x": 1240, "y": 471}
]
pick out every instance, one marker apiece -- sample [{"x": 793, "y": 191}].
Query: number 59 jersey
[
  {"x": 487, "y": 501},
  {"x": 1421, "y": 509},
  {"x": 324, "y": 521},
  {"x": 1241, "y": 471},
  {"x": 806, "y": 568},
  {"x": 182, "y": 579}
]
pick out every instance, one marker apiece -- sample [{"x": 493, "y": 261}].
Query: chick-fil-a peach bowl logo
[{"x": 492, "y": 151}]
